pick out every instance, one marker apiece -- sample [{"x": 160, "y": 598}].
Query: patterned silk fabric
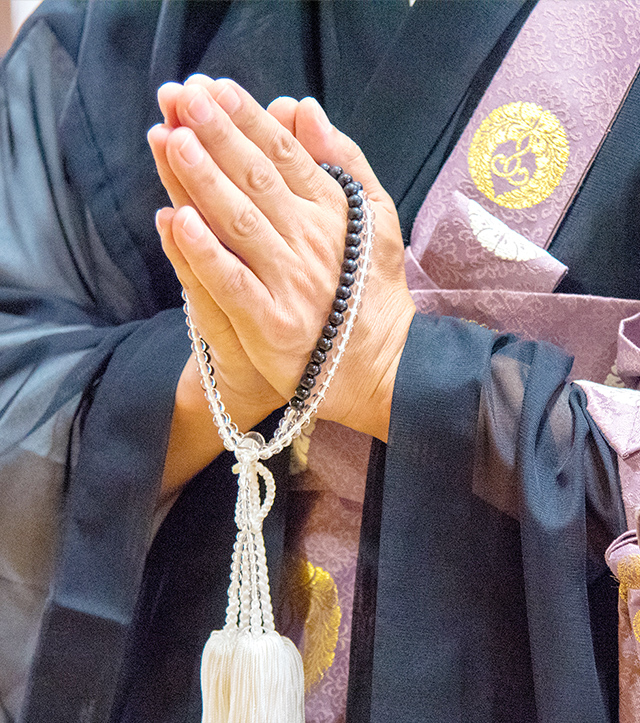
[
  {"x": 616, "y": 410},
  {"x": 330, "y": 482},
  {"x": 476, "y": 247},
  {"x": 527, "y": 146}
]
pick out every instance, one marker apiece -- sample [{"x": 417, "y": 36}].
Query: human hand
[
  {"x": 235, "y": 374},
  {"x": 248, "y": 397},
  {"x": 382, "y": 327},
  {"x": 264, "y": 197}
]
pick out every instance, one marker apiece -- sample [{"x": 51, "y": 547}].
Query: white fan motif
[{"x": 495, "y": 236}]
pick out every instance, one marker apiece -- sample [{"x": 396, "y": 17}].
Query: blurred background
[{"x": 12, "y": 15}]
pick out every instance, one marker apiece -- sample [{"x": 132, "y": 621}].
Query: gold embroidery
[
  {"x": 503, "y": 141},
  {"x": 628, "y": 575},
  {"x": 635, "y": 624},
  {"x": 310, "y": 612},
  {"x": 321, "y": 625}
]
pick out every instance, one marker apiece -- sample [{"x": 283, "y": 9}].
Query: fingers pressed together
[
  {"x": 256, "y": 233},
  {"x": 249, "y": 178}
]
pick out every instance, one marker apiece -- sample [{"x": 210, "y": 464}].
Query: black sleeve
[
  {"x": 89, "y": 360},
  {"x": 489, "y": 597}
]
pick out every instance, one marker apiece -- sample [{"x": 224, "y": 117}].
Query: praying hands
[{"x": 256, "y": 237}]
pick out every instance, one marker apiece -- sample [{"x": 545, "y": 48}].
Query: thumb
[{"x": 326, "y": 144}]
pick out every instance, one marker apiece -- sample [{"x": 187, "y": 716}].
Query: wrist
[
  {"x": 194, "y": 441},
  {"x": 362, "y": 401}
]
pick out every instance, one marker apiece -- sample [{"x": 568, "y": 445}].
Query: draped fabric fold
[{"x": 485, "y": 610}]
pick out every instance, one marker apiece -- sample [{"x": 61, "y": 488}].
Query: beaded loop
[
  {"x": 249, "y": 605},
  {"x": 347, "y": 301}
]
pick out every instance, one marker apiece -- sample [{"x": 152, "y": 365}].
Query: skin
[{"x": 256, "y": 237}]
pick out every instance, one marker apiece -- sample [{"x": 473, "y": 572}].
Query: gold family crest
[{"x": 518, "y": 155}]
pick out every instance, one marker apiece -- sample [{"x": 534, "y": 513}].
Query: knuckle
[
  {"x": 289, "y": 326},
  {"x": 207, "y": 176},
  {"x": 236, "y": 282},
  {"x": 218, "y": 131},
  {"x": 259, "y": 177},
  {"x": 245, "y": 222},
  {"x": 300, "y": 279},
  {"x": 222, "y": 131},
  {"x": 282, "y": 325},
  {"x": 250, "y": 119},
  {"x": 207, "y": 255},
  {"x": 284, "y": 147}
]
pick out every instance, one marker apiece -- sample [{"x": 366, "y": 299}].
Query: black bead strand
[
  {"x": 324, "y": 344},
  {"x": 351, "y": 252},
  {"x": 353, "y": 192},
  {"x": 350, "y": 266},
  {"x": 347, "y": 279}
]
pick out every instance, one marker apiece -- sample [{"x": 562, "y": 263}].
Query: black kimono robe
[{"x": 465, "y": 610}]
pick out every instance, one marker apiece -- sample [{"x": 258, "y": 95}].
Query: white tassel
[
  {"x": 268, "y": 680},
  {"x": 215, "y": 675},
  {"x": 251, "y": 679},
  {"x": 251, "y": 674}
]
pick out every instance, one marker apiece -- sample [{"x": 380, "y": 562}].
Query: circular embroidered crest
[{"x": 518, "y": 155}]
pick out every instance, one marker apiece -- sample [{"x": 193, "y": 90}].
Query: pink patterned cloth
[
  {"x": 472, "y": 249},
  {"x": 584, "y": 326},
  {"x": 336, "y": 473},
  {"x": 574, "y": 60},
  {"x": 617, "y": 413},
  {"x": 629, "y": 352}
]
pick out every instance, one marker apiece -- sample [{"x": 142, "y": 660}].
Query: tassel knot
[{"x": 250, "y": 674}]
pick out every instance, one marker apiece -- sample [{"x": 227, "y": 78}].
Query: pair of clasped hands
[{"x": 256, "y": 237}]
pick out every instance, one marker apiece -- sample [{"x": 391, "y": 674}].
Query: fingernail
[
  {"x": 158, "y": 222},
  {"x": 163, "y": 219},
  {"x": 190, "y": 150},
  {"x": 228, "y": 99},
  {"x": 321, "y": 116},
  {"x": 200, "y": 107},
  {"x": 192, "y": 225}
]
